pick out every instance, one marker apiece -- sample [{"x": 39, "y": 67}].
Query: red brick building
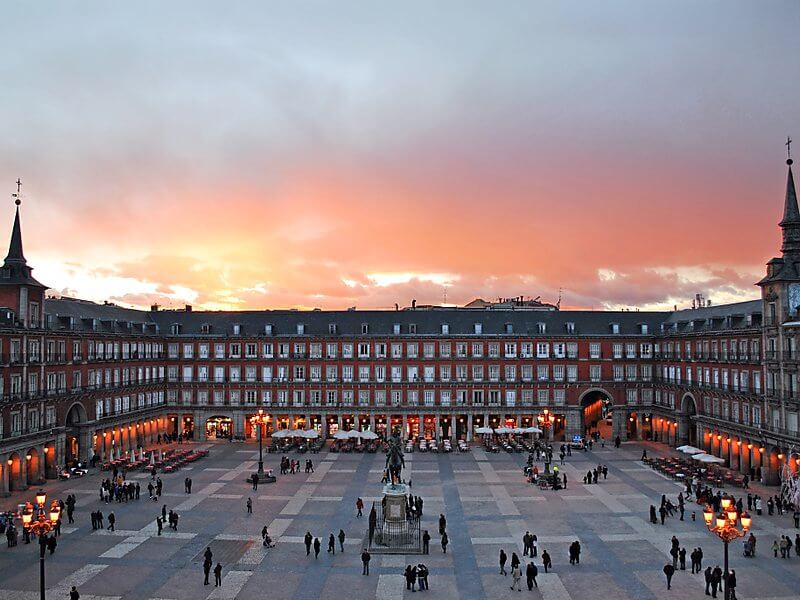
[{"x": 79, "y": 378}]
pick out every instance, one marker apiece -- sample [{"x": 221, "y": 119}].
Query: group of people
[
  {"x": 171, "y": 518},
  {"x": 668, "y": 509},
  {"x": 208, "y": 560},
  {"x": 531, "y": 570},
  {"x": 117, "y": 488},
  {"x": 292, "y": 466},
  {"x": 154, "y": 490},
  {"x": 593, "y": 475},
  {"x": 416, "y": 574},
  {"x": 785, "y": 546}
]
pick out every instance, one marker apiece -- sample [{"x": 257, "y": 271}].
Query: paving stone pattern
[{"x": 486, "y": 501}]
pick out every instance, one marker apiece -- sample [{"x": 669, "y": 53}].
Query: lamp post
[
  {"x": 724, "y": 526},
  {"x": 546, "y": 420},
  {"x": 260, "y": 419},
  {"x": 40, "y": 526}
]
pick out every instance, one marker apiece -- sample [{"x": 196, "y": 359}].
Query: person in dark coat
[
  {"x": 426, "y": 540},
  {"x": 708, "y": 577},
  {"x": 442, "y": 524},
  {"x": 365, "y": 558},
  {"x": 331, "y": 544},
  {"x": 732, "y": 583},
  {"x": 503, "y": 559},
  {"x": 218, "y": 575},
  {"x": 308, "y": 540},
  {"x": 74, "y": 594},
  {"x": 669, "y": 571},
  {"x": 317, "y": 547},
  {"x": 716, "y": 580},
  {"x": 530, "y": 574},
  {"x": 514, "y": 560},
  {"x": 445, "y": 541},
  {"x": 546, "y": 562},
  {"x": 341, "y": 539}
]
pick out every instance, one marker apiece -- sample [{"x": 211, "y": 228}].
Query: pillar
[
  {"x": 438, "y": 418},
  {"x": 619, "y": 425},
  {"x": 404, "y": 431},
  {"x": 470, "y": 425},
  {"x": 452, "y": 432},
  {"x": 4, "y": 471}
]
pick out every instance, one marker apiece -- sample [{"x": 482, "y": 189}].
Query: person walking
[
  {"x": 359, "y": 507},
  {"x": 159, "y": 524},
  {"x": 341, "y": 539},
  {"x": 708, "y": 577},
  {"x": 317, "y": 547},
  {"x": 445, "y": 541},
  {"x": 74, "y": 594},
  {"x": 442, "y": 524},
  {"x": 669, "y": 571},
  {"x": 516, "y": 575},
  {"x": 732, "y": 584},
  {"x": 365, "y": 558},
  {"x": 218, "y": 575},
  {"x": 331, "y": 544},
  {"x": 503, "y": 559},
  {"x": 514, "y": 560},
  {"x": 547, "y": 563},
  {"x": 307, "y": 540},
  {"x": 531, "y": 571},
  {"x": 111, "y": 520},
  {"x": 254, "y": 479},
  {"x": 249, "y": 506},
  {"x": 426, "y": 540}
]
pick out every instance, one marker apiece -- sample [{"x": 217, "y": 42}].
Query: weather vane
[
  {"x": 789, "y": 148},
  {"x": 18, "y": 195}
]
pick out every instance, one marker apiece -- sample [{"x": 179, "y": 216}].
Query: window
[
  {"x": 541, "y": 328},
  {"x": 542, "y": 350},
  {"x": 594, "y": 372},
  {"x": 594, "y": 350},
  {"x": 478, "y": 328},
  {"x": 445, "y": 329},
  {"x": 332, "y": 328},
  {"x": 364, "y": 328}
]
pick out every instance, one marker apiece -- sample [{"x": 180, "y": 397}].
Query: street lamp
[
  {"x": 260, "y": 419},
  {"x": 724, "y": 527},
  {"x": 40, "y": 526},
  {"x": 546, "y": 420}
]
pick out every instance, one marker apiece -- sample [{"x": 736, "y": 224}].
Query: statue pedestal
[{"x": 395, "y": 502}]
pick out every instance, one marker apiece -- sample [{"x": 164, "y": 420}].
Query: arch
[
  {"x": 688, "y": 405},
  {"x": 687, "y": 431},
  {"x": 219, "y": 426},
  {"x": 33, "y": 467},
  {"x": 595, "y": 403},
  {"x": 594, "y": 390},
  {"x": 15, "y": 482},
  {"x": 76, "y": 414}
]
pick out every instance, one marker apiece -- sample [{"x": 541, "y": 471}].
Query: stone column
[
  {"x": 438, "y": 418},
  {"x": 470, "y": 425},
  {"x": 372, "y": 422},
  {"x": 619, "y": 422},
  {"x": 4, "y": 471},
  {"x": 452, "y": 432},
  {"x": 84, "y": 445},
  {"x": 574, "y": 425},
  {"x": 404, "y": 431}
]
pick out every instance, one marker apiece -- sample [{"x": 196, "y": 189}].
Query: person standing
[
  {"x": 708, "y": 577},
  {"x": 445, "y": 541},
  {"x": 74, "y": 594},
  {"x": 206, "y": 570},
  {"x": 669, "y": 571},
  {"x": 359, "y": 507},
  {"x": 218, "y": 575},
  {"x": 716, "y": 580},
  {"x": 317, "y": 547},
  {"x": 365, "y": 558},
  {"x": 249, "y": 506},
  {"x": 111, "y": 520},
  {"x": 422, "y": 576},
  {"x": 426, "y": 540},
  {"x": 526, "y": 539},
  {"x": 331, "y": 544},
  {"x": 341, "y": 539},
  {"x": 442, "y": 524},
  {"x": 503, "y": 559},
  {"x": 307, "y": 540},
  {"x": 732, "y": 584}
]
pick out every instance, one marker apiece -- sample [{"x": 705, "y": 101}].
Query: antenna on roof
[{"x": 558, "y": 304}]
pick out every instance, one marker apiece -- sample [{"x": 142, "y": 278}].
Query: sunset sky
[{"x": 335, "y": 154}]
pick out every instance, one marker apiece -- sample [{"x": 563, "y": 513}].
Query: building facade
[{"x": 79, "y": 379}]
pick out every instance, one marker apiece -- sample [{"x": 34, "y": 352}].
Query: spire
[
  {"x": 791, "y": 215},
  {"x": 15, "y": 247}
]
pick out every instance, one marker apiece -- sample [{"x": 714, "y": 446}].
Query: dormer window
[
  {"x": 364, "y": 328},
  {"x": 175, "y": 329},
  {"x": 541, "y": 327},
  {"x": 644, "y": 329},
  {"x": 301, "y": 329},
  {"x": 396, "y": 329},
  {"x": 570, "y": 327},
  {"x": 615, "y": 328},
  {"x": 333, "y": 328},
  {"x": 509, "y": 328},
  {"x": 445, "y": 329},
  {"x": 237, "y": 329},
  {"x": 205, "y": 328},
  {"x": 412, "y": 328},
  {"x": 478, "y": 328},
  {"x": 268, "y": 329}
]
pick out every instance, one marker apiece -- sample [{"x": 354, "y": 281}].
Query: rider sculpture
[{"x": 394, "y": 459}]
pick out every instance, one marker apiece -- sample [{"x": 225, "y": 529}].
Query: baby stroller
[
  {"x": 748, "y": 548},
  {"x": 268, "y": 542}
]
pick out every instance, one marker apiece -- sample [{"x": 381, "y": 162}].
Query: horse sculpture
[{"x": 394, "y": 460}]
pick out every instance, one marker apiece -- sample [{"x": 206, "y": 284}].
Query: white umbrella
[
  {"x": 682, "y": 448},
  {"x": 310, "y": 434},
  {"x": 369, "y": 435},
  {"x": 690, "y": 450},
  {"x": 484, "y": 430},
  {"x": 341, "y": 435},
  {"x": 519, "y": 430},
  {"x": 707, "y": 458},
  {"x": 281, "y": 434},
  {"x": 353, "y": 434},
  {"x": 503, "y": 430},
  {"x": 532, "y": 430},
  {"x": 152, "y": 458}
]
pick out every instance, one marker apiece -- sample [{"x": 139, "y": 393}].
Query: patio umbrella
[
  {"x": 310, "y": 434},
  {"x": 296, "y": 432},
  {"x": 503, "y": 430},
  {"x": 484, "y": 430},
  {"x": 369, "y": 435},
  {"x": 519, "y": 430},
  {"x": 690, "y": 450},
  {"x": 281, "y": 434},
  {"x": 707, "y": 458},
  {"x": 152, "y": 458},
  {"x": 532, "y": 430},
  {"x": 341, "y": 435},
  {"x": 354, "y": 434}
]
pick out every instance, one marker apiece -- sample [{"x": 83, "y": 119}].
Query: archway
[
  {"x": 595, "y": 404},
  {"x": 219, "y": 426},
  {"x": 76, "y": 415},
  {"x": 15, "y": 483},
  {"x": 688, "y": 431},
  {"x": 33, "y": 466},
  {"x": 50, "y": 467}
]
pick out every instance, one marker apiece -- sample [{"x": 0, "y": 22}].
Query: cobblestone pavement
[{"x": 488, "y": 507}]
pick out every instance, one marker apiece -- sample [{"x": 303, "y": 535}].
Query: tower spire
[
  {"x": 15, "y": 253},
  {"x": 791, "y": 215}
]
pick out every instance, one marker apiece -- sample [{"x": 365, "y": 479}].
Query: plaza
[{"x": 487, "y": 503}]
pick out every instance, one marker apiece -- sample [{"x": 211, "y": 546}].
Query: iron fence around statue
[{"x": 389, "y": 536}]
